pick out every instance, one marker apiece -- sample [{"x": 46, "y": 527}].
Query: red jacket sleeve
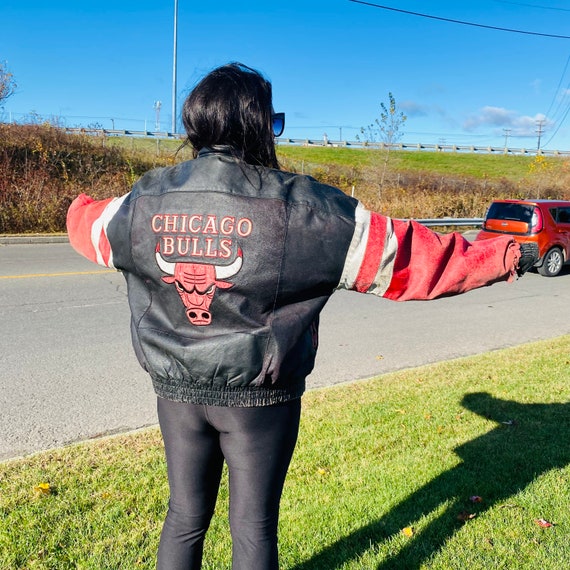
[
  {"x": 87, "y": 222},
  {"x": 403, "y": 260}
]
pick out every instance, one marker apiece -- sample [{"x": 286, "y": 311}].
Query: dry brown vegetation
[
  {"x": 42, "y": 169},
  {"x": 413, "y": 193}
]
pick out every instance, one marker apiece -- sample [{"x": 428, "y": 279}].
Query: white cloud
[
  {"x": 413, "y": 109},
  {"x": 501, "y": 118}
]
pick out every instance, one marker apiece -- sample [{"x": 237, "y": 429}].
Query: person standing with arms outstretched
[{"x": 229, "y": 261}]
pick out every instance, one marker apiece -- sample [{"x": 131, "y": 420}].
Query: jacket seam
[{"x": 278, "y": 285}]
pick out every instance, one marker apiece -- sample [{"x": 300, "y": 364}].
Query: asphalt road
[{"x": 67, "y": 371}]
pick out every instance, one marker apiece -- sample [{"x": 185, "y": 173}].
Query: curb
[{"x": 33, "y": 238}]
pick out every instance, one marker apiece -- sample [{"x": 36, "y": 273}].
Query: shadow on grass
[{"x": 529, "y": 440}]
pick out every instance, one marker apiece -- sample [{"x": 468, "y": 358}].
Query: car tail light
[{"x": 536, "y": 223}]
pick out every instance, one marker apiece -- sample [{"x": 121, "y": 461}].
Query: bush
[
  {"x": 423, "y": 194},
  {"x": 42, "y": 169}
]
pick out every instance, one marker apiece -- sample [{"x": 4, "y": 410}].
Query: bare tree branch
[{"x": 7, "y": 83}]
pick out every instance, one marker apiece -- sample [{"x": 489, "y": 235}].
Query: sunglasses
[{"x": 278, "y": 124}]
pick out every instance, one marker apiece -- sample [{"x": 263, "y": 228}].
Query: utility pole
[
  {"x": 507, "y": 133},
  {"x": 174, "y": 67},
  {"x": 539, "y": 131},
  {"x": 157, "y": 105}
]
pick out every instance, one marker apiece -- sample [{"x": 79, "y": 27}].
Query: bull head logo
[{"x": 196, "y": 284}]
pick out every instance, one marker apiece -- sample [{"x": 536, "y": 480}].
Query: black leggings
[{"x": 257, "y": 444}]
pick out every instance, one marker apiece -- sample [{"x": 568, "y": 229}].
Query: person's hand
[{"x": 529, "y": 256}]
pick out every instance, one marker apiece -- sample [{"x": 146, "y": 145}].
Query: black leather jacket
[{"x": 228, "y": 267}]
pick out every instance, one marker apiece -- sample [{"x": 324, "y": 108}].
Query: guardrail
[
  {"x": 124, "y": 133},
  {"x": 471, "y": 222},
  {"x": 336, "y": 144},
  {"x": 426, "y": 147}
]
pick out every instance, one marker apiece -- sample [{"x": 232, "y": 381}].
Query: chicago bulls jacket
[{"x": 228, "y": 267}]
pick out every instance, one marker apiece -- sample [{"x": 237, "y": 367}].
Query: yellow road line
[{"x": 57, "y": 274}]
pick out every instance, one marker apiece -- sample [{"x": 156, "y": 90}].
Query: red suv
[{"x": 544, "y": 222}]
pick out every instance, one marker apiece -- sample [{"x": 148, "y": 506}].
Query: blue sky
[{"x": 331, "y": 63}]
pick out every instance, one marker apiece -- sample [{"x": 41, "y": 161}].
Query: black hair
[{"x": 232, "y": 106}]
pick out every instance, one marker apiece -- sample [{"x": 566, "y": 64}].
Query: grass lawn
[
  {"x": 445, "y": 163},
  {"x": 462, "y": 464}
]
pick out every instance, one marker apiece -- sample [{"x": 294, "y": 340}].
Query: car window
[
  {"x": 563, "y": 216},
  {"x": 507, "y": 211}
]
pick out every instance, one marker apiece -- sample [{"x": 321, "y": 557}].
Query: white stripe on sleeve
[
  {"x": 357, "y": 248},
  {"x": 369, "y": 264},
  {"x": 100, "y": 225}
]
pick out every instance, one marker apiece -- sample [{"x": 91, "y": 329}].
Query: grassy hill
[
  {"x": 445, "y": 163},
  {"x": 420, "y": 184},
  {"x": 42, "y": 169}
]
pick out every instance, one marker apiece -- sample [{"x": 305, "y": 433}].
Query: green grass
[
  {"x": 151, "y": 147},
  {"x": 407, "y": 449},
  {"x": 445, "y": 163},
  {"x": 478, "y": 165}
]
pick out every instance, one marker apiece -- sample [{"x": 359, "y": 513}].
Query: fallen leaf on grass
[
  {"x": 408, "y": 531},
  {"x": 464, "y": 516},
  {"x": 543, "y": 523},
  {"x": 43, "y": 489}
]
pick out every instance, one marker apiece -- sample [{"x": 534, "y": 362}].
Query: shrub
[
  {"x": 42, "y": 169},
  {"x": 424, "y": 194}
]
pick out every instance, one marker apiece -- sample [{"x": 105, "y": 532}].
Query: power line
[
  {"x": 559, "y": 116},
  {"x": 557, "y": 92},
  {"x": 459, "y": 21},
  {"x": 533, "y": 6},
  {"x": 563, "y": 100}
]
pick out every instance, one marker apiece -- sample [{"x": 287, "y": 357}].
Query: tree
[
  {"x": 7, "y": 83},
  {"x": 386, "y": 128}
]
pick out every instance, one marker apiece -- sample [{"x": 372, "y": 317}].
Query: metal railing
[
  {"x": 331, "y": 143},
  {"x": 124, "y": 133},
  {"x": 463, "y": 222},
  {"x": 425, "y": 147}
]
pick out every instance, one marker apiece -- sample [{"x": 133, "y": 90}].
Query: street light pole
[{"x": 174, "y": 67}]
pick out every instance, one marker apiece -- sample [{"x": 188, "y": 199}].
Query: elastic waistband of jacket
[{"x": 243, "y": 397}]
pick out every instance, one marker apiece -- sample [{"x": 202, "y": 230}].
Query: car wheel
[{"x": 552, "y": 263}]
